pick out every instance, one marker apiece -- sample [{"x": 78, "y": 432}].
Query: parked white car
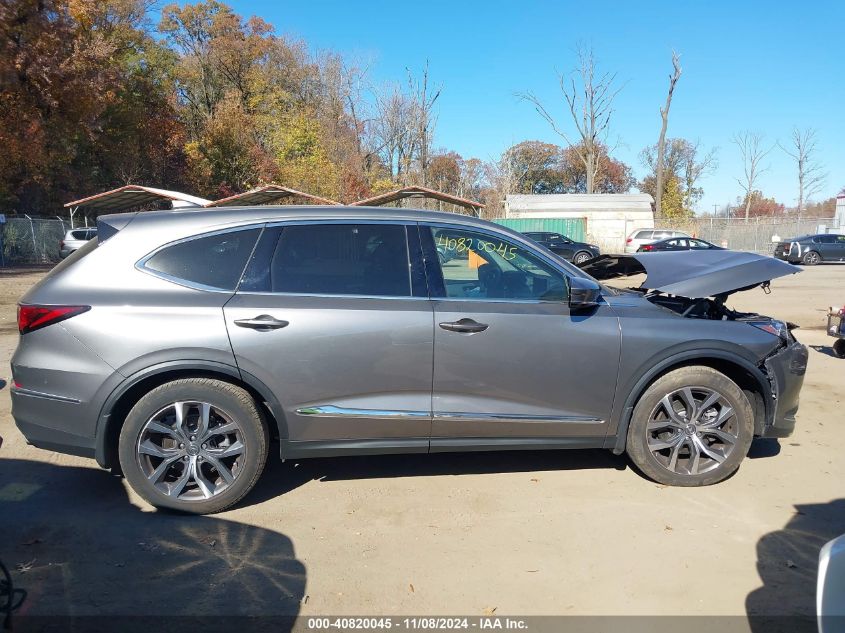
[
  {"x": 830, "y": 592},
  {"x": 76, "y": 238},
  {"x": 647, "y": 236}
]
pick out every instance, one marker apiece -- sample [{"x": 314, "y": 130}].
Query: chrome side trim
[
  {"x": 331, "y": 411},
  {"x": 40, "y": 394},
  {"x": 516, "y": 417}
]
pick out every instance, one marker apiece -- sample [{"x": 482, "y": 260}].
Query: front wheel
[
  {"x": 691, "y": 427},
  {"x": 811, "y": 258},
  {"x": 196, "y": 445}
]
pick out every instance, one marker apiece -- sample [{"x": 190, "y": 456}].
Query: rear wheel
[
  {"x": 197, "y": 445},
  {"x": 811, "y": 258},
  {"x": 691, "y": 427},
  {"x": 839, "y": 348}
]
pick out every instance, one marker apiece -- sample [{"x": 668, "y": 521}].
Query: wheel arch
[
  {"x": 745, "y": 374},
  {"x": 121, "y": 400}
]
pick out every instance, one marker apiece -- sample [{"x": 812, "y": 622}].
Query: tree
[
  {"x": 810, "y": 175},
  {"x": 753, "y": 152},
  {"x": 84, "y": 100},
  {"x": 590, "y": 105},
  {"x": 612, "y": 176},
  {"x": 684, "y": 162},
  {"x": 661, "y": 142},
  {"x": 760, "y": 206},
  {"x": 533, "y": 167}
]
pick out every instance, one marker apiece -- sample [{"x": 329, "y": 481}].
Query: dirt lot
[{"x": 523, "y": 533}]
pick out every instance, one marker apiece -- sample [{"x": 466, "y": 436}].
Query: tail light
[
  {"x": 647, "y": 247},
  {"x": 31, "y": 317},
  {"x": 629, "y": 240},
  {"x": 61, "y": 244}
]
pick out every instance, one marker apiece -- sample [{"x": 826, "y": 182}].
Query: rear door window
[
  {"x": 333, "y": 259},
  {"x": 212, "y": 261}
]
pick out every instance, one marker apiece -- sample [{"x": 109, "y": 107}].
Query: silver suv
[
  {"x": 207, "y": 335},
  {"x": 76, "y": 239}
]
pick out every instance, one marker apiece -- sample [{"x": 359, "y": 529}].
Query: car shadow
[
  {"x": 763, "y": 447},
  {"x": 74, "y": 542},
  {"x": 827, "y": 350},
  {"x": 787, "y": 562},
  {"x": 282, "y": 477}
]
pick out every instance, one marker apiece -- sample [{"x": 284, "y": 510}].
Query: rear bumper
[
  {"x": 57, "y": 391},
  {"x": 785, "y": 370},
  {"x": 36, "y": 414}
]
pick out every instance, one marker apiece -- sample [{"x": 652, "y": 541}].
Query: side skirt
[{"x": 333, "y": 448}]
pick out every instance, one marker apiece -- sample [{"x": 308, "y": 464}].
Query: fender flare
[
  {"x": 102, "y": 449},
  {"x": 618, "y": 443}
]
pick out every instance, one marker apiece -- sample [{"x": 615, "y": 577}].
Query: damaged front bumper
[{"x": 785, "y": 370}]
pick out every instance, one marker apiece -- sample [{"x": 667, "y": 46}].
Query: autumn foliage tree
[{"x": 85, "y": 100}]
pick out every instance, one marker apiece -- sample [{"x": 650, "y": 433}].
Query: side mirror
[{"x": 583, "y": 293}]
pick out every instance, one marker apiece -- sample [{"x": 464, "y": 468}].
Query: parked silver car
[
  {"x": 178, "y": 344},
  {"x": 647, "y": 236},
  {"x": 76, "y": 239}
]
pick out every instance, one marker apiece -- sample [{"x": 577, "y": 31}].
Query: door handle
[
  {"x": 464, "y": 326},
  {"x": 263, "y": 322}
]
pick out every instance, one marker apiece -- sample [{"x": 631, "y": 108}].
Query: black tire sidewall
[
  {"x": 231, "y": 399},
  {"x": 839, "y": 348},
  {"x": 698, "y": 376}
]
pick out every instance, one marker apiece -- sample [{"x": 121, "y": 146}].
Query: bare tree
[
  {"x": 590, "y": 106},
  {"x": 661, "y": 142},
  {"x": 424, "y": 99},
  {"x": 810, "y": 175},
  {"x": 751, "y": 147}
]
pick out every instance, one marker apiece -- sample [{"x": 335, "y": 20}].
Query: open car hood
[{"x": 692, "y": 274}]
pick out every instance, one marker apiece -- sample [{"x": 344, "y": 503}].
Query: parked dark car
[
  {"x": 570, "y": 250},
  {"x": 812, "y": 249},
  {"x": 185, "y": 346},
  {"x": 679, "y": 244}
]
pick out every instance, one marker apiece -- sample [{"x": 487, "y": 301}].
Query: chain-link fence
[
  {"x": 31, "y": 240},
  {"x": 757, "y": 235}
]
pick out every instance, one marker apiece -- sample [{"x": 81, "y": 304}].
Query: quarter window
[
  {"x": 481, "y": 266},
  {"x": 214, "y": 261},
  {"x": 335, "y": 259}
]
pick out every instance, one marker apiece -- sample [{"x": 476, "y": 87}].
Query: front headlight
[{"x": 772, "y": 326}]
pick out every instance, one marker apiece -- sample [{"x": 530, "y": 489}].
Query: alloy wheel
[
  {"x": 191, "y": 450},
  {"x": 580, "y": 258},
  {"x": 692, "y": 430}
]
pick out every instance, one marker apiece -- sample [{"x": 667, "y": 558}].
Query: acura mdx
[{"x": 177, "y": 347}]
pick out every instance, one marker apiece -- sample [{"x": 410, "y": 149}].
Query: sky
[{"x": 759, "y": 66}]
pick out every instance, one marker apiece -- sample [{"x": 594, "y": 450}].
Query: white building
[
  {"x": 609, "y": 217},
  {"x": 839, "y": 218}
]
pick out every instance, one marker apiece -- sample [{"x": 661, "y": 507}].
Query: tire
[
  {"x": 655, "y": 436},
  {"x": 839, "y": 348},
  {"x": 189, "y": 467},
  {"x": 811, "y": 258},
  {"x": 581, "y": 257}
]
